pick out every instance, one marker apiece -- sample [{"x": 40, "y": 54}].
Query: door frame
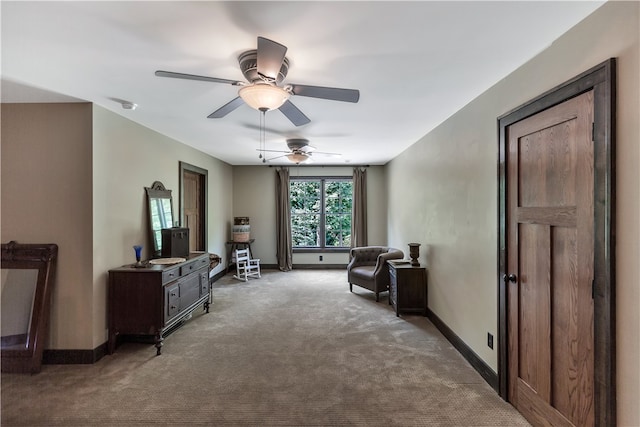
[
  {"x": 602, "y": 79},
  {"x": 204, "y": 176}
]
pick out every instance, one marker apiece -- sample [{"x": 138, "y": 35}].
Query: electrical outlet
[
  {"x": 320, "y": 257},
  {"x": 490, "y": 340}
]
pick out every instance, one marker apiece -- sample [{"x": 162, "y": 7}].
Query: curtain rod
[{"x": 320, "y": 166}]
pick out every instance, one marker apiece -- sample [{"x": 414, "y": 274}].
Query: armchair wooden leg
[{"x": 377, "y": 296}]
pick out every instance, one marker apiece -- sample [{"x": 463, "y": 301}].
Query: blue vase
[{"x": 138, "y": 249}]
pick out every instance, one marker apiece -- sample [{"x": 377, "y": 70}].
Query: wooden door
[
  {"x": 193, "y": 208},
  {"x": 550, "y": 264}
]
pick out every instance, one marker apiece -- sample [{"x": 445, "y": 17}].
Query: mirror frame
[
  {"x": 157, "y": 191},
  {"x": 41, "y": 257}
]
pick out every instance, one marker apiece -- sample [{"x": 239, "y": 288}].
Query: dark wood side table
[
  {"x": 408, "y": 288},
  {"x": 238, "y": 245}
]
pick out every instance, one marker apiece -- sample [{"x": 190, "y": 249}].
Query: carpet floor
[{"x": 289, "y": 349}]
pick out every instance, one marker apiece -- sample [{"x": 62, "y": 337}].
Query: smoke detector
[{"x": 129, "y": 105}]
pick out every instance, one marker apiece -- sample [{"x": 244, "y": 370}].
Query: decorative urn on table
[{"x": 414, "y": 253}]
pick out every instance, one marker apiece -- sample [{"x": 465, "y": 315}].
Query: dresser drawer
[
  {"x": 170, "y": 275},
  {"x": 193, "y": 266},
  {"x": 172, "y": 300},
  {"x": 189, "y": 290},
  {"x": 204, "y": 282}
]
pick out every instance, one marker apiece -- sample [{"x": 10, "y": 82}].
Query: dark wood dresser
[
  {"x": 408, "y": 288},
  {"x": 151, "y": 300}
]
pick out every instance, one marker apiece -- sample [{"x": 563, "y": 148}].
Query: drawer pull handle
[
  {"x": 173, "y": 307},
  {"x": 173, "y": 294}
]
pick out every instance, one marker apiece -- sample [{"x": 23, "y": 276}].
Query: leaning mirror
[
  {"x": 160, "y": 214},
  {"x": 27, "y": 279}
]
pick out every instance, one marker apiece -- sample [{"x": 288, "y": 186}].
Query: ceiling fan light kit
[
  {"x": 263, "y": 96},
  {"x": 300, "y": 152},
  {"x": 297, "y": 158}
]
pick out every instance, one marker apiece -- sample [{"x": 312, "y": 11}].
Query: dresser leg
[
  {"x": 159, "y": 344},
  {"x": 206, "y": 306}
]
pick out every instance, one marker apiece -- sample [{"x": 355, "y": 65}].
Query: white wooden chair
[{"x": 246, "y": 266}]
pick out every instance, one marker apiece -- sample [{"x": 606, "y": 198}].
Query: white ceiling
[{"x": 415, "y": 64}]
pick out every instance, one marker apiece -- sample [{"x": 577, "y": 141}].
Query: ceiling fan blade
[
  {"x": 273, "y": 151},
  {"x": 273, "y": 158},
  {"x": 307, "y": 149},
  {"x": 294, "y": 114},
  {"x": 270, "y": 57},
  {"x": 226, "y": 108},
  {"x": 266, "y": 129},
  {"x": 295, "y": 134},
  {"x": 332, "y": 93},
  {"x": 171, "y": 74},
  {"x": 326, "y": 154}
]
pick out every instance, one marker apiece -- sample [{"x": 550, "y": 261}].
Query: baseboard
[
  {"x": 295, "y": 267},
  {"x": 478, "y": 364},
  {"x": 218, "y": 276},
  {"x": 320, "y": 267},
  {"x": 74, "y": 357}
]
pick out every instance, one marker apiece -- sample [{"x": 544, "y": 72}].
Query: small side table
[
  {"x": 408, "y": 288},
  {"x": 237, "y": 245}
]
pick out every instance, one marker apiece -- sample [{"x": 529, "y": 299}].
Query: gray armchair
[{"x": 368, "y": 267}]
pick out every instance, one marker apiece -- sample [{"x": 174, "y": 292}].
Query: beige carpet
[{"x": 290, "y": 349}]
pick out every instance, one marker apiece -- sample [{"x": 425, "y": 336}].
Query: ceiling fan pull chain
[
  {"x": 263, "y": 124},
  {"x": 260, "y": 139}
]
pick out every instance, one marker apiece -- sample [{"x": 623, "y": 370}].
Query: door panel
[
  {"x": 192, "y": 200},
  {"x": 534, "y": 308},
  {"x": 550, "y": 250}
]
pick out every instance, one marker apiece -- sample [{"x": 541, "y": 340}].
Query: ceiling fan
[
  {"x": 299, "y": 151},
  {"x": 265, "y": 68}
]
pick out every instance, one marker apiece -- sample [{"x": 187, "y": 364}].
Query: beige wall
[
  {"x": 127, "y": 158},
  {"x": 46, "y": 198},
  {"x": 87, "y": 168},
  {"x": 449, "y": 200},
  {"x": 254, "y": 196},
  {"x": 442, "y": 192}
]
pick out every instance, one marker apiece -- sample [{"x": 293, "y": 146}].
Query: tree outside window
[{"x": 321, "y": 212}]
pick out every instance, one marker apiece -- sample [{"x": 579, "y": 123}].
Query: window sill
[{"x": 320, "y": 250}]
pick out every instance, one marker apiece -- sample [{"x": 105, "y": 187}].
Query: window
[{"x": 321, "y": 212}]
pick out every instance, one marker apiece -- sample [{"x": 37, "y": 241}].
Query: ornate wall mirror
[
  {"x": 160, "y": 214},
  {"x": 27, "y": 279}
]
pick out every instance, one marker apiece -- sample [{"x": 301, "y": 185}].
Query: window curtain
[
  {"x": 283, "y": 221},
  {"x": 359, "y": 215}
]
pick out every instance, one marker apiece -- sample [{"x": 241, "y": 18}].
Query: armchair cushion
[{"x": 368, "y": 267}]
